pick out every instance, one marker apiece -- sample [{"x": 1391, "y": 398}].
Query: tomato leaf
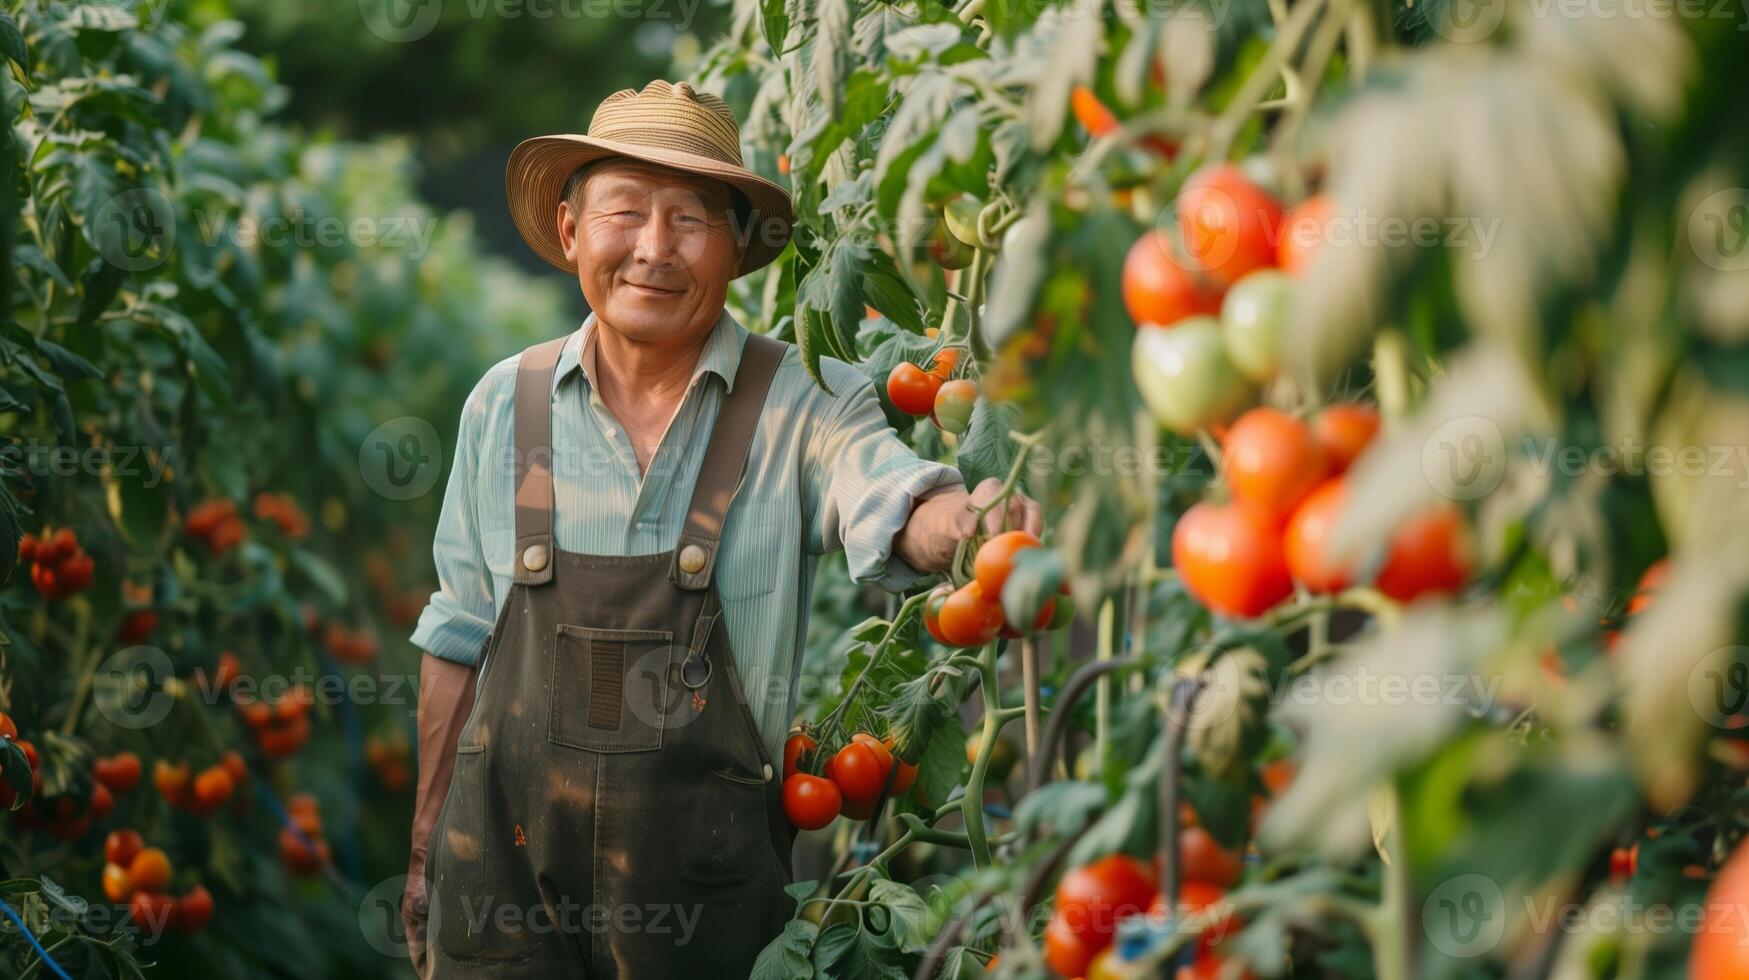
[
  {"x": 914, "y": 925},
  {"x": 986, "y": 450},
  {"x": 788, "y": 957}
]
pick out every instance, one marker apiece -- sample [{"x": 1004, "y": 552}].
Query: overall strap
[
  {"x": 719, "y": 476},
  {"x": 534, "y": 461}
]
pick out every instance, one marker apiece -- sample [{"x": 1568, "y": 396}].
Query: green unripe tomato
[
  {"x": 953, "y": 405},
  {"x": 961, "y": 215},
  {"x": 1253, "y": 318},
  {"x": 1185, "y": 376},
  {"x": 947, "y": 251}
]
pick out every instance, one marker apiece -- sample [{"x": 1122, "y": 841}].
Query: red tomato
[
  {"x": 8, "y": 728},
  {"x": 810, "y": 802},
  {"x": 1068, "y": 952},
  {"x": 1202, "y": 858},
  {"x": 882, "y": 750},
  {"x": 995, "y": 559},
  {"x": 122, "y": 846},
  {"x": 1345, "y": 431},
  {"x": 932, "y": 611},
  {"x": 794, "y": 748},
  {"x": 1650, "y": 583},
  {"x": 1230, "y": 557},
  {"x": 1272, "y": 460},
  {"x": 194, "y": 910},
  {"x": 859, "y": 773},
  {"x": 152, "y": 911},
  {"x": 1302, "y": 234},
  {"x": 1093, "y": 898},
  {"x": 213, "y": 787},
  {"x": 911, "y": 389},
  {"x": 1306, "y": 541},
  {"x": 1427, "y": 555},
  {"x": 120, "y": 772},
  {"x": 1721, "y": 951},
  {"x": 970, "y": 617},
  {"x": 1159, "y": 289},
  {"x": 1229, "y": 223}
]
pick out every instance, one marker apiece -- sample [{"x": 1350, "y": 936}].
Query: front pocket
[{"x": 611, "y": 689}]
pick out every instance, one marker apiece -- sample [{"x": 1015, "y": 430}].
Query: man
[{"x": 626, "y": 545}]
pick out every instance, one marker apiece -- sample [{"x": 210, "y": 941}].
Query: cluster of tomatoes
[
  {"x": 284, "y": 512},
  {"x": 139, "y": 877},
  {"x": 856, "y": 779},
  {"x": 401, "y": 606},
  {"x": 301, "y": 845},
  {"x": 204, "y": 792},
  {"x": 137, "y": 624},
  {"x": 1241, "y": 557},
  {"x": 984, "y": 609},
  {"x": 58, "y": 566},
  {"x": 217, "y": 523},
  {"x": 69, "y": 815},
  {"x": 1090, "y": 902},
  {"x": 391, "y": 760},
  {"x": 350, "y": 646},
  {"x": 282, "y": 726},
  {"x": 1210, "y": 296},
  {"x": 935, "y": 392}
]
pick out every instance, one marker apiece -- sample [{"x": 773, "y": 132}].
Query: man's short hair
[{"x": 743, "y": 208}]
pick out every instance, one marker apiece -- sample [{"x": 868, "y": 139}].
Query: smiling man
[{"x": 625, "y": 552}]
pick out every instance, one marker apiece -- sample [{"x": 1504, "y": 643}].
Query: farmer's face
[{"x": 654, "y": 248}]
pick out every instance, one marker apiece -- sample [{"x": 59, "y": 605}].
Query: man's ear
[{"x": 568, "y": 232}]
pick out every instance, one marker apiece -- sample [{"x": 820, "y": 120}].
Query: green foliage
[{"x": 203, "y": 303}]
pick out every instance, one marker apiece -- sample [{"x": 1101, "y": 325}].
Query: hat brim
[{"x": 535, "y": 178}]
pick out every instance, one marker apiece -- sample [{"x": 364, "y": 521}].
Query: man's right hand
[{"x": 446, "y": 696}]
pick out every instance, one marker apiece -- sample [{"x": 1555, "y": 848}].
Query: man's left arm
[{"x": 897, "y": 516}]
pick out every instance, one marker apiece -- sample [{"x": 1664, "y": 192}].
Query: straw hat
[{"x": 667, "y": 123}]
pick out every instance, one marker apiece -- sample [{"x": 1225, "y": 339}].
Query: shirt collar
[{"x": 721, "y": 355}]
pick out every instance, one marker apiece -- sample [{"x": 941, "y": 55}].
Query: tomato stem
[{"x": 972, "y": 805}]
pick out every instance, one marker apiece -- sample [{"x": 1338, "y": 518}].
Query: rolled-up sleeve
[
  {"x": 866, "y": 482},
  {"x": 456, "y": 621}
]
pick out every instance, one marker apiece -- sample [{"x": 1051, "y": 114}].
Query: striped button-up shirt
[{"x": 833, "y": 474}]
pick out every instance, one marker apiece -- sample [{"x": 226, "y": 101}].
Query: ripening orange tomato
[
  {"x": 1228, "y": 222},
  {"x": 1302, "y": 234},
  {"x": 1428, "y": 554},
  {"x": 995, "y": 559},
  {"x": 1159, "y": 289},
  {"x": 970, "y": 617},
  {"x": 1272, "y": 460},
  {"x": 1306, "y": 542},
  {"x": 1345, "y": 430},
  {"x": 1230, "y": 558}
]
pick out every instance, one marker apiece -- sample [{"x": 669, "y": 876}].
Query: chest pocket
[{"x": 753, "y": 537}]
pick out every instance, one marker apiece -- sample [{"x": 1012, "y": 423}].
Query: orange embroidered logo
[
  {"x": 521, "y": 838},
  {"x": 698, "y": 702}
]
